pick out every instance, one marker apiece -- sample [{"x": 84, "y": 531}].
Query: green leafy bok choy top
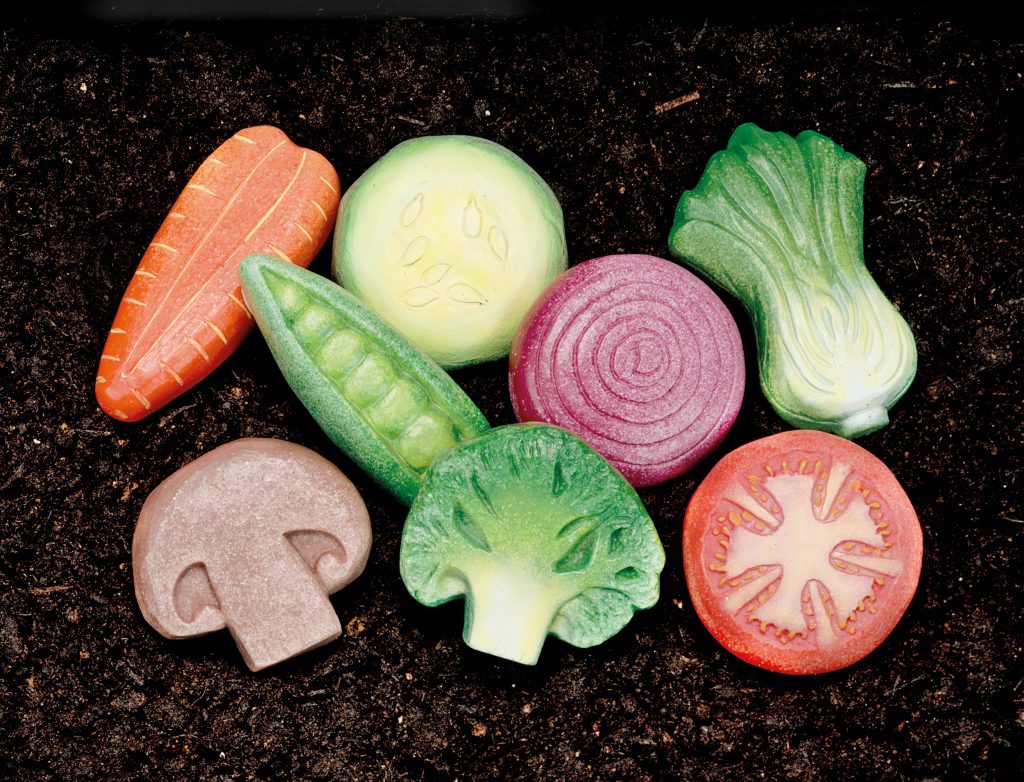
[{"x": 778, "y": 222}]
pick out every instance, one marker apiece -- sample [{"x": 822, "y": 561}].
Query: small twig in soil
[
  {"x": 17, "y": 473},
  {"x": 1015, "y": 521},
  {"x": 699, "y": 36},
  {"x": 675, "y": 103},
  {"x": 897, "y": 687},
  {"x": 179, "y": 411},
  {"x": 413, "y": 120},
  {"x": 50, "y": 589}
]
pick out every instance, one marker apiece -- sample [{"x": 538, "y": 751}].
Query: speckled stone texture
[
  {"x": 635, "y": 355},
  {"x": 252, "y": 536},
  {"x": 99, "y": 130},
  {"x": 385, "y": 403}
]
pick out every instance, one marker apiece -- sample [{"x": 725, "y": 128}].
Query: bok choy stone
[{"x": 778, "y": 222}]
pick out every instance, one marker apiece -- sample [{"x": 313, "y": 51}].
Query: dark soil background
[{"x": 101, "y": 125}]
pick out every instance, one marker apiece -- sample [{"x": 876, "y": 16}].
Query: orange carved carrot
[{"x": 182, "y": 313}]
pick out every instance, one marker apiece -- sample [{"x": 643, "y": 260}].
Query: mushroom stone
[{"x": 252, "y": 536}]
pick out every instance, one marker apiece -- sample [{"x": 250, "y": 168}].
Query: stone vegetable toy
[
  {"x": 383, "y": 402},
  {"x": 450, "y": 239},
  {"x": 182, "y": 313},
  {"x": 801, "y": 551},
  {"x": 252, "y": 536},
  {"x": 539, "y": 534},
  {"x": 779, "y": 223},
  {"x": 635, "y": 355}
]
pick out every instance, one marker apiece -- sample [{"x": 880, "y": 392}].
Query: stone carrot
[{"x": 182, "y": 313}]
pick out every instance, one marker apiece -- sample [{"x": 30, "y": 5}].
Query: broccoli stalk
[
  {"x": 539, "y": 534},
  {"x": 509, "y": 616}
]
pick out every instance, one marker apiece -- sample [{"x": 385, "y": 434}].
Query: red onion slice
[{"x": 635, "y": 355}]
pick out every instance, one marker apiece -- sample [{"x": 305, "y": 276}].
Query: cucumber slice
[{"x": 450, "y": 239}]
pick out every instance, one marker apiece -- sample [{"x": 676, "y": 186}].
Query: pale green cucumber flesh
[{"x": 450, "y": 239}]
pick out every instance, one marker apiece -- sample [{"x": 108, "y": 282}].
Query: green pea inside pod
[
  {"x": 539, "y": 534},
  {"x": 392, "y": 409}
]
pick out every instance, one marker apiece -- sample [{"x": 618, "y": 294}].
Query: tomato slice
[{"x": 801, "y": 551}]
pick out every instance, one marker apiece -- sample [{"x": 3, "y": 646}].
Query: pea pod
[{"x": 382, "y": 401}]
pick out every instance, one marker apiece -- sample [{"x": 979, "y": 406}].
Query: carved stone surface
[
  {"x": 379, "y": 398},
  {"x": 801, "y": 552},
  {"x": 778, "y": 222},
  {"x": 635, "y": 355},
  {"x": 450, "y": 239},
  {"x": 182, "y": 314},
  {"x": 540, "y": 535},
  {"x": 252, "y": 536}
]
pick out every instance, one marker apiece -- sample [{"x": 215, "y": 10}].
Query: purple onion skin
[{"x": 635, "y": 355}]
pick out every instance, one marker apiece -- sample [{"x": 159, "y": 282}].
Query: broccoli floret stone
[{"x": 539, "y": 534}]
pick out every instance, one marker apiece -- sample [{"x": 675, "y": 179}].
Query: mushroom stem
[{"x": 508, "y": 615}]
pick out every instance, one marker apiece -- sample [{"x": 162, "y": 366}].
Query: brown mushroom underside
[{"x": 252, "y": 536}]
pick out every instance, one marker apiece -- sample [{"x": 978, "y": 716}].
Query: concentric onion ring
[{"x": 635, "y": 355}]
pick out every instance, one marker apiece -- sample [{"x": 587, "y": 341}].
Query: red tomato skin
[{"x": 745, "y": 639}]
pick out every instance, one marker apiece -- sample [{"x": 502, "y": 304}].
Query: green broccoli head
[{"x": 539, "y": 534}]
